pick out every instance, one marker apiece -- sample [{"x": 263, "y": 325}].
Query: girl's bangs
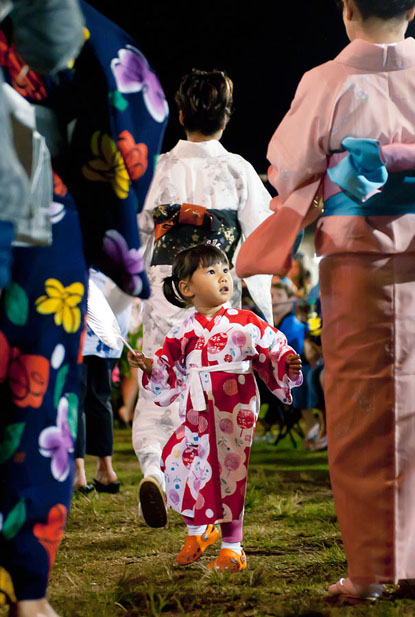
[{"x": 211, "y": 255}]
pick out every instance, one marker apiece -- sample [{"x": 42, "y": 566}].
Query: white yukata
[{"x": 206, "y": 174}]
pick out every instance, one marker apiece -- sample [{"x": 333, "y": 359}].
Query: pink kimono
[
  {"x": 366, "y": 237},
  {"x": 209, "y": 364}
]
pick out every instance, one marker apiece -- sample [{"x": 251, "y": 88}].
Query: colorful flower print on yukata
[
  {"x": 132, "y": 74},
  {"x": 108, "y": 165},
  {"x": 7, "y": 594},
  {"x": 134, "y": 155},
  {"x": 120, "y": 260},
  {"x": 51, "y": 533},
  {"x": 59, "y": 188},
  {"x": 27, "y": 84},
  {"x": 27, "y": 374},
  {"x": 28, "y": 378},
  {"x": 62, "y": 301},
  {"x": 57, "y": 209},
  {"x": 56, "y": 442}
]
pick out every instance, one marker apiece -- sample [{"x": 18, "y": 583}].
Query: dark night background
[{"x": 265, "y": 47}]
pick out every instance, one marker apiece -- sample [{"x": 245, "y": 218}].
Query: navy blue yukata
[{"x": 100, "y": 181}]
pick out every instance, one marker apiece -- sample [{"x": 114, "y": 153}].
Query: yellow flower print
[
  {"x": 6, "y": 588},
  {"x": 108, "y": 166},
  {"x": 63, "y": 302}
]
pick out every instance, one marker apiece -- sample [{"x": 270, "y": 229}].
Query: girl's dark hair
[
  {"x": 185, "y": 264},
  {"x": 205, "y": 100},
  {"x": 383, "y": 9}
]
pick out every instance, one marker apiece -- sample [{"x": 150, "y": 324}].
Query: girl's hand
[
  {"x": 139, "y": 360},
  {"x": 293, "y": 364}
]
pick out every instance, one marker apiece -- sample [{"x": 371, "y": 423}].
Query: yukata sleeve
[
  {"x": 253, "y": 211},
  {"x": 298, "y": 154},
  {"x": 270, "y": 362},
  {"x": 168, "y": 377}
]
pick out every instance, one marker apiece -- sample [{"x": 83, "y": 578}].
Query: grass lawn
[{"x": 111, "y": 565}]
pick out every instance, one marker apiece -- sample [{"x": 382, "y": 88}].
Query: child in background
[{"x": 208, "y": 363}]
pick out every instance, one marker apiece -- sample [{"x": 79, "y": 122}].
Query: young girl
[
  {"x": 207, "y": 362},
  {"x": 348, "y": 140},
  {"x": 200, "y": 192}
]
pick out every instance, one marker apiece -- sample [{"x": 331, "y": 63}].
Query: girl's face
[{"x": 209, "y": 287}]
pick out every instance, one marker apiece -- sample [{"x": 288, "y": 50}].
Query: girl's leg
[
  {"x": 232, "y": 534},
  {"x": 231, "y": 557},
  {"x": 198, "y": 538},
  {"x": 193, "y": 530}
]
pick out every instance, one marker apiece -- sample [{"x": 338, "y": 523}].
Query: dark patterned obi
[{"x": 179, "y": 226}]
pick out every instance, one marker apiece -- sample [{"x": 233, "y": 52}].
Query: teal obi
[{"x": 361, "y": 174}]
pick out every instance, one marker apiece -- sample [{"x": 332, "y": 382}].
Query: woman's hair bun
[{"x": 205, "y": 99}]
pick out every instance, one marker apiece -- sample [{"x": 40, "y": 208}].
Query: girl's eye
[
  {"x": 226, "y": 270},
  {"x": 211, "y": 271}
]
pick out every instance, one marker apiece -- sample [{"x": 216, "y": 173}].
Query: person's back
[{"x": 347, "y": 143}]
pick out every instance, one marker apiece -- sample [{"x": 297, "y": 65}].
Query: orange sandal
[
  {"x": 229, "y": 560},
  {"x": 195, "y": 546}
]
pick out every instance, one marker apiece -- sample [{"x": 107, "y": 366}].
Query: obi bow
[{"x": 364, "y": 170}]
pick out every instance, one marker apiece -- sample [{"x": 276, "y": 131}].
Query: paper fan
[{"x": 102, "y": 320}]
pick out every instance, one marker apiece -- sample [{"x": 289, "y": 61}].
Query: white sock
[
  {"x": 234, "y": 546},
  {"x": 196, "y": 530}
]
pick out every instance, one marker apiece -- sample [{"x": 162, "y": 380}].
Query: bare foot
[
  {"x": 32, "y": 608},
  {"x": 105, "y": 472},
  {"x": 80, "y": 476}
]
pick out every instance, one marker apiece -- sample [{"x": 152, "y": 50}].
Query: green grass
[{"x": 111, "y": 565}]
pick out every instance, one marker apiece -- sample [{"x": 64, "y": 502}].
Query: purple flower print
[
  {"x": 174, "y": 497},
  {"x": 56, "y": 441},
  {"x": 132, "y": 74},
  {"x": 238, "y": 338},
  {"x": 157, "y": 374},
  {"x": 123, "y": 262}
]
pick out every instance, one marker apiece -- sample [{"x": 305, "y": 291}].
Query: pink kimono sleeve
[{"x": 298, "y": 155}]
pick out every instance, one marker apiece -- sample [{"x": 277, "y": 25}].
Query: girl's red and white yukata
[{"x": 208, "y": 364}]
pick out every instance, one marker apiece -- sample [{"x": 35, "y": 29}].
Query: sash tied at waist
[
  {"x": 194, "y": 374},
  {"x": 178, "y": 226},
  {"x": 375, "y": 179}
]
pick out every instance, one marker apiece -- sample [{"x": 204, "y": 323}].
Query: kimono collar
[
  {"x": 207, "y": 322},
  {"x": 191, "y": 149},
  {"x": 367, "y": 56}
]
